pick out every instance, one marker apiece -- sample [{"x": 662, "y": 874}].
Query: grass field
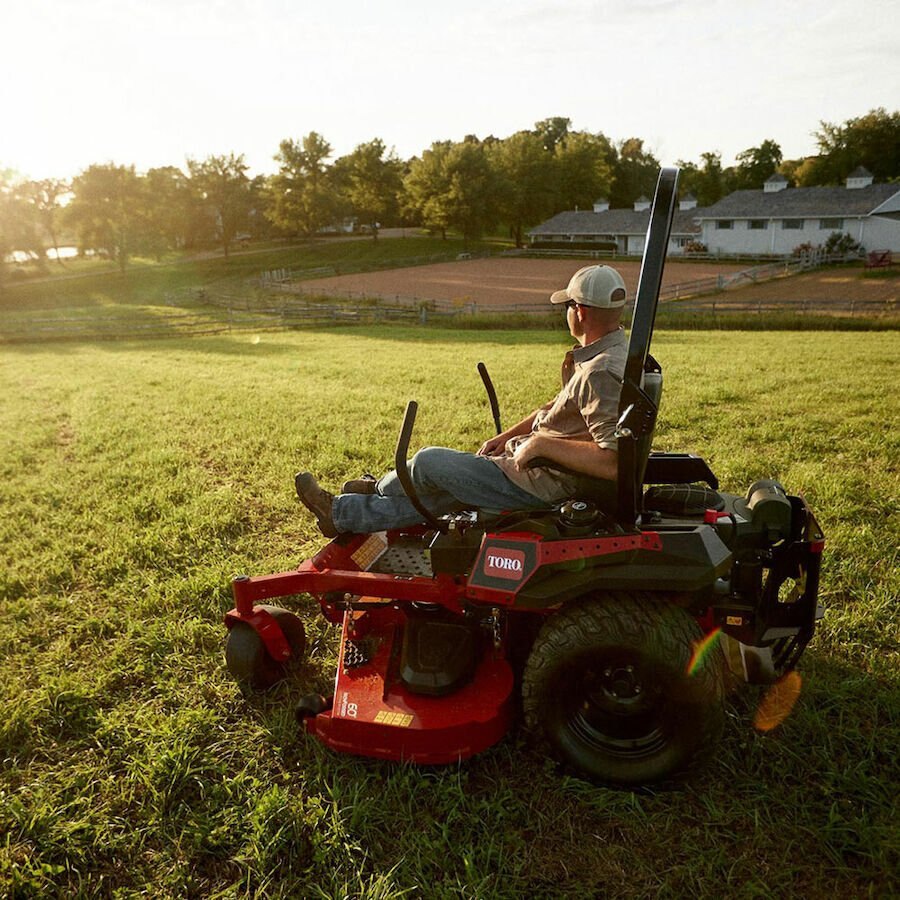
[
  {"x": 137, "y": 478},
  {"x": 148, "y": 283}
]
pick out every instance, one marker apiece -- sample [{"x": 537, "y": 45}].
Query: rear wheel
[
  {"x": 246, "y": 656},
  {"x": 607, "y": 686}
]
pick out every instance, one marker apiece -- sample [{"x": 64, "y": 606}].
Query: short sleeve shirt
[{"x": 586, "y": 408}]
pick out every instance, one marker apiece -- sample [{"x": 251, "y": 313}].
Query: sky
[{"x": 152, "y": 83}]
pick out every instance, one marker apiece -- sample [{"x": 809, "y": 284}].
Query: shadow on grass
[
  {"x": 273, "y": 343},
  {"x": 807, "y": 809}
]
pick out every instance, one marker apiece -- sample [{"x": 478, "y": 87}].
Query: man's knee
[
  {"x": 426, "y": 464},
  {"x": 432, "y": 467}
]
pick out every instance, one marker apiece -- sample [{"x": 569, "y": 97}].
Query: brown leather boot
[
  {"x": 317, "y": 501},
  {"x": 365, "y": 485}
]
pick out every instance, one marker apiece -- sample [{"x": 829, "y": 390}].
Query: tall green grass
[{"x": 137, "y": 478}]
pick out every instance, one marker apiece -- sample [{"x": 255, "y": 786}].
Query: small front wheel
[
  {"x": 310, "y": 705},
  {"x": 246, "y": 656},
  {"x": 610, "y": 686}
]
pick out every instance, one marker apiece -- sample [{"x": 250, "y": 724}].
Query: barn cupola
[{"x": 860, "y": 177}]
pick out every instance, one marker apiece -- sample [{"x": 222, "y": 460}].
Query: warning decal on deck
[
  {"x": 400, "y": 720},
  {"x": 370, "y": 550}
]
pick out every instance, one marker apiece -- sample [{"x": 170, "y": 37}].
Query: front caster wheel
[
  {"x": 246, "y": 656},
  {"x": 610, "y": 686},
  {"x": 310, "y": 705}
]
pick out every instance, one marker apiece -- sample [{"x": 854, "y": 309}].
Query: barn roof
[
  {"x": 614, "y": 221},
  {"x": 799, "y": 202}
]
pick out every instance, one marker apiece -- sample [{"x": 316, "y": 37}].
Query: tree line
[{"x": 474, "y": 186}]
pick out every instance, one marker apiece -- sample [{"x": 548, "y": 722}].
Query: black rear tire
[
  {"x": 246, "y": 656},
  {"x": 607, "y": 687}
]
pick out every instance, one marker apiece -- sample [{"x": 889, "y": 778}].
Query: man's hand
[
  {"x": 527, "y": 451},
  {"x": 494, "y": 446}
]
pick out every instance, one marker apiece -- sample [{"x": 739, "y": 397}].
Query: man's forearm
[
  {"x": 580, "y": 456},
  {"x": 523, "y": 427},
  {"x": 496, "y": 445}
]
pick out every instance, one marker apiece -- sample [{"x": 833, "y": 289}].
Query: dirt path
[{"x": 835, "y": 285}]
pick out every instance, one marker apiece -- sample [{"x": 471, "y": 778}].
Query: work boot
[
  {"x": 365, "y": 485},
  {"x": 317, "y": 501}
]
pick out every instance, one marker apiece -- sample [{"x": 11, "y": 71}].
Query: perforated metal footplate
[
  {"x": 403, "y": 559},
  {"x": 359, "y": 653}
]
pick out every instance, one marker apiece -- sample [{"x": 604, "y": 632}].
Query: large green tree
[
  {"x": 426, "y": 188},
  {"x": 302, "y": 197},
  {"x": 553, "y": 131},
  {"x": 471, "y": 197},
  {"x": 872, "y": 140},
  {"x": 371, "y": 177},
  {"x": 634, "y": 173},
  {"x": 584, "y": 169},
  {"x": 708, "y": 182},
  {"x": 108, "y": 211},
  {"x": 526, "y": 172},
  {"x": 16, "y": 223},
  {"x": 44, "y": 197},
  {"x": 756, "y": 165},
  {"x": 220, "y": 184},
  {"x": 168, "y": 203}
]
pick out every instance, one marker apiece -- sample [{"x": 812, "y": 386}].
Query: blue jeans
[{"x": 445, "y": 480}]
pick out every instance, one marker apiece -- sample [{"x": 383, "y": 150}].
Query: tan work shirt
[{"x": 586, "y": 408}]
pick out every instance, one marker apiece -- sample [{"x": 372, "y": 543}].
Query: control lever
[
  {"x": 400, "y": 454},
  {"x": 492, "y": 395}
]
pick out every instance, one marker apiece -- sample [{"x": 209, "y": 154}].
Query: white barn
[
  {"x": 777, "y": 218},
  {"x": 623, "y": 230}
]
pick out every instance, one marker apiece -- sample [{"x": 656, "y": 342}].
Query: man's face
[{"x": 574, "y": 319}]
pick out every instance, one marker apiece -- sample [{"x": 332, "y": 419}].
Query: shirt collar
[{"x": 583, "y": 354}]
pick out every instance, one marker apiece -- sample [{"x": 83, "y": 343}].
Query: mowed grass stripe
[{"x": 137, "y": 478}]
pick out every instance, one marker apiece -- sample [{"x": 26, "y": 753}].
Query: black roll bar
[{"x": 637, "y": 413}]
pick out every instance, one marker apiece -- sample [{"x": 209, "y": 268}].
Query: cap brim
[{"x": 560, "y": 296}]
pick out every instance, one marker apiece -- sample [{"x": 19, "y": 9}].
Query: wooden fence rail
[
  {"x": 204, "y": 311},
  {"x": 224, "y": 319}
]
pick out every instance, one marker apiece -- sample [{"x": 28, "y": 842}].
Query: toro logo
[{"x": 504, "y": 563}]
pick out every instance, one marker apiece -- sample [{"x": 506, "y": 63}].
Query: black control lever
[
  {"x": 492, "y": 395},
  {"x": 400, "y": 455}
]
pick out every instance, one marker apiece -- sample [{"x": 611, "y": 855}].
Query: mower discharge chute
[{"x": 606, "y": 632}]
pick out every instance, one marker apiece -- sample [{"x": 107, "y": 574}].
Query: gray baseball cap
[{"x": 600, "y": 286}]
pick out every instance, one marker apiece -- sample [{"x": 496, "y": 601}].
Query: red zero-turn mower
[{"x": 609, "y": 634}]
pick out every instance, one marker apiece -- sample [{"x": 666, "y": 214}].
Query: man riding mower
[{"x": 583, "y": 585}]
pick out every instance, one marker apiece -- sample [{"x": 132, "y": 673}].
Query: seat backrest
[{"x": 651, "y": 383}]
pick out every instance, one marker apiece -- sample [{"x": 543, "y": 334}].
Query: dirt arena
[
  {"x": 499, "y": 281},
  {"x": 511, "y": 281}
]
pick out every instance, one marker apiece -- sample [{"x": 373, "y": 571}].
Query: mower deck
[{"x": 375, "y": 715}]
